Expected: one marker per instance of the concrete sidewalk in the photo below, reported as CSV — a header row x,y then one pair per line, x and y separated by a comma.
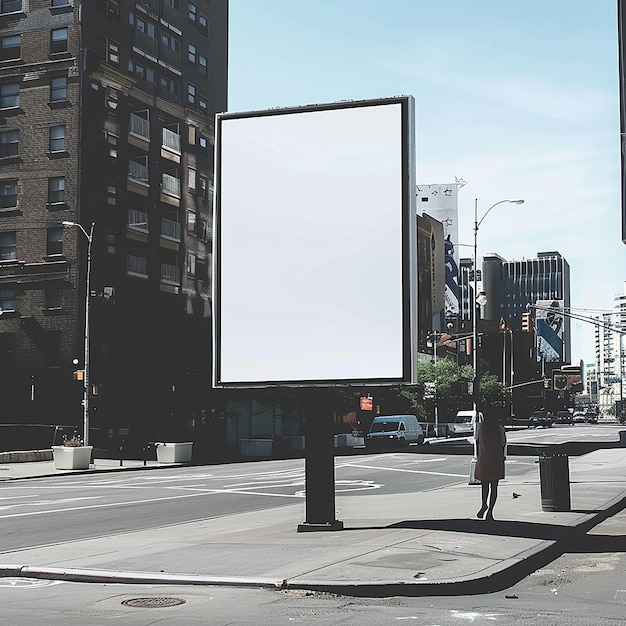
x,y
427,543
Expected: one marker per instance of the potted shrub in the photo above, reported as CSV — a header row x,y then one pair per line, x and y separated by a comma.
x,y
73,454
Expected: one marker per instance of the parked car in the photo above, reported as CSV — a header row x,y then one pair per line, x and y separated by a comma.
x,y
541,418
463,424
394,430
564,417
578,417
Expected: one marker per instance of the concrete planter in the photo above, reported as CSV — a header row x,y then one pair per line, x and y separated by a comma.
x,y
256,447
71,457
174,452
348,441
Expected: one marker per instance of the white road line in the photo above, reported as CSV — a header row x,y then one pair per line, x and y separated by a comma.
x,y
397,469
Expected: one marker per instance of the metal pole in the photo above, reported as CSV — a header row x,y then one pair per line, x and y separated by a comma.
x,y
89,237
475,311
87,363
435,340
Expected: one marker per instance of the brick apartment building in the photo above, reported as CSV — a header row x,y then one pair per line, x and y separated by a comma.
x,y
106,118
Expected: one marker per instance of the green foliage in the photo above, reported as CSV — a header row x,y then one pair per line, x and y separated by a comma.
x,y
447,385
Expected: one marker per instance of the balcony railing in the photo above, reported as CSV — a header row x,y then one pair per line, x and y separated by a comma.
x,y
170,185
167,94
138,220
138,173
139,127
170,229
170,14
170,274
145,43
169,56
136,265
171,140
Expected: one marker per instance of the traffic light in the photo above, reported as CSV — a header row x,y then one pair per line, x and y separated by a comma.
x,y
526,323
559,381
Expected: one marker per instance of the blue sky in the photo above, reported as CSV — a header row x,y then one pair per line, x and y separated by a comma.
x,y
518,99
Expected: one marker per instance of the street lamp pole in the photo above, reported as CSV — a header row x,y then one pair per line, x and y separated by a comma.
x,y
89,237
475,362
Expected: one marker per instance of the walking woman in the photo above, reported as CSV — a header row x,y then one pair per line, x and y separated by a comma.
x,y
490,446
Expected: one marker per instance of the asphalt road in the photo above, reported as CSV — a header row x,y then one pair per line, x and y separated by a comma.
x,y
34,512
584,586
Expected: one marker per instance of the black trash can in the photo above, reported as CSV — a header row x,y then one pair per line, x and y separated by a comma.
x,y
554,478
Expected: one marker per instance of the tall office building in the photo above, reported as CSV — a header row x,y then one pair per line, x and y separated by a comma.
x,y
543,282
610,362
441,202
106,118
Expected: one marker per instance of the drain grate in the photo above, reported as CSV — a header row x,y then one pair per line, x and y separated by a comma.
x,y
157,602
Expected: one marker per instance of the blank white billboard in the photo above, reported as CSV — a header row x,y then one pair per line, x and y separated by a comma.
x,y
314,258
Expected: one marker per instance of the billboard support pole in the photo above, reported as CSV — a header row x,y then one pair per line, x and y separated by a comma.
x,y
319,463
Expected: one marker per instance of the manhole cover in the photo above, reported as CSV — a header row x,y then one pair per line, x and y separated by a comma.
x,y
153,603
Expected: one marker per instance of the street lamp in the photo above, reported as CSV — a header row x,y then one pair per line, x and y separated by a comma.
x,y
478,301
89,237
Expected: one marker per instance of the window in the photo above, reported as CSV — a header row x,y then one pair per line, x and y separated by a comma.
x,y
59,3
204,187
9,95
191,93
203,25
140,71
58,88
191,222
203,103
57,138
170,42
10,47
54,298
7,246
9,143
191,54
203,142
113,52
10,6
112,141
56,189
55,240
58,40
113,10
169,89
201,229
146,27
191,264
110,243
192,135
192,12
203,65
7,299
191,178
8,194
111,194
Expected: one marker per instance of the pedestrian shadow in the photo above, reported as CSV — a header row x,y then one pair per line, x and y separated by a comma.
x,y
501,528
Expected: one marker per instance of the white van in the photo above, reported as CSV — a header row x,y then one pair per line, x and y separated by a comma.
x,y
464,423
394,430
